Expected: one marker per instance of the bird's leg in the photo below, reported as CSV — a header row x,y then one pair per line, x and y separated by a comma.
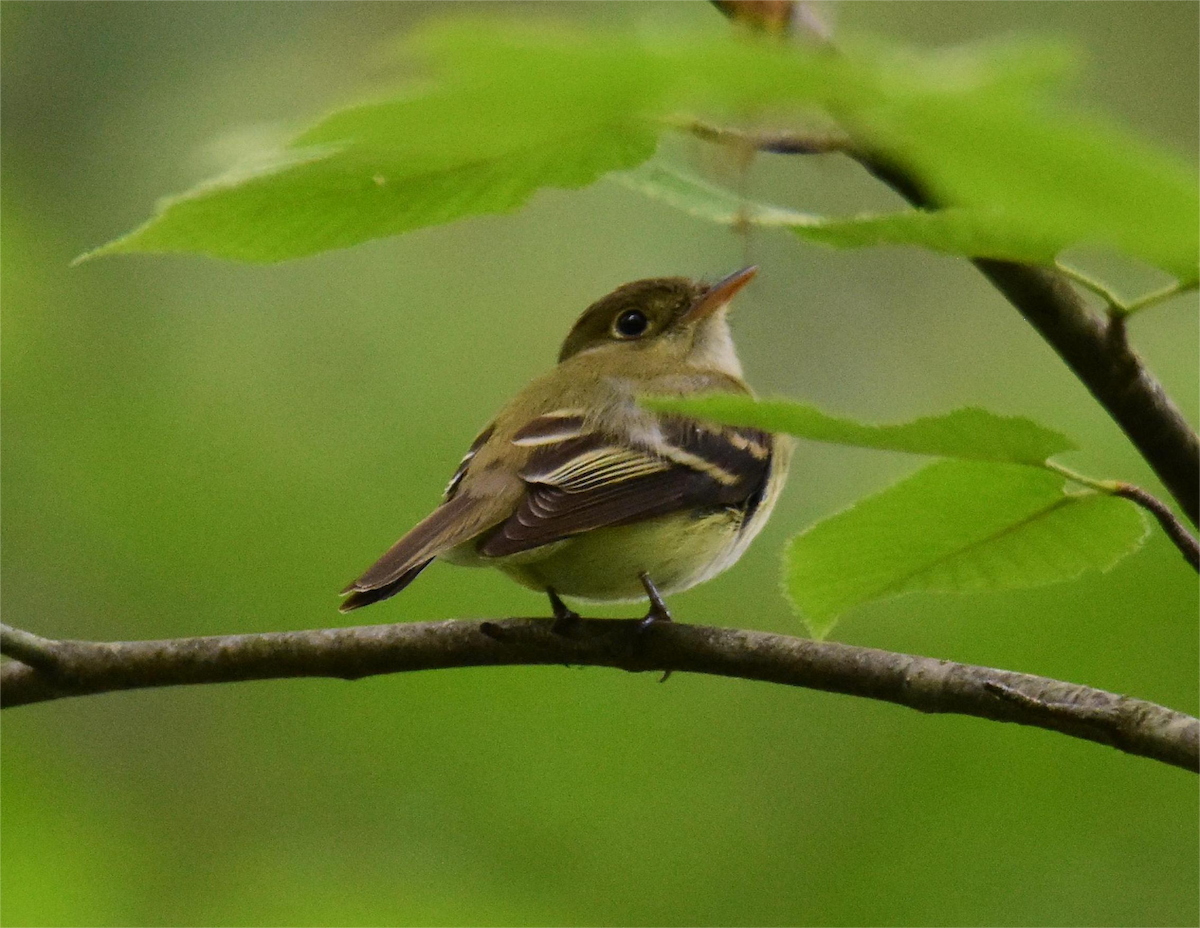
x,y
658,609
658,612
565,618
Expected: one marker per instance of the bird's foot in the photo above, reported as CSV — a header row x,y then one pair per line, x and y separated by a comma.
x,y
658,609
565,618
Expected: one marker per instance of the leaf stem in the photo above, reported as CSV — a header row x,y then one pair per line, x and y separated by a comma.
x,y
1088,282
1157,296
1117,306
779,143
1104,486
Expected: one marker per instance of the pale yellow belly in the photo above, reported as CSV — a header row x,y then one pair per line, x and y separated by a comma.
x,y
676,551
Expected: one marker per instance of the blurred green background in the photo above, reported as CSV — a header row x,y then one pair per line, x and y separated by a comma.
x,y
195,447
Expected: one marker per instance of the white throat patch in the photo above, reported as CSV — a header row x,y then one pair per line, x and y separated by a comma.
x,y
713,347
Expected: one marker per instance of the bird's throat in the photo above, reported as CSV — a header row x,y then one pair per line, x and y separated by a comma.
x,y
713,348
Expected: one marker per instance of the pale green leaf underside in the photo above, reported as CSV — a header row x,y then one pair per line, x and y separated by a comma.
x,y
970,434
956,526
703,200
973,232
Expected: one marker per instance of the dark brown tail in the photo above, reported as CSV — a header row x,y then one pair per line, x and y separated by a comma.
x,y
359,598
450,524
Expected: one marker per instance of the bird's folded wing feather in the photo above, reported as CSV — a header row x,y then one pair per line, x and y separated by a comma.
x,y
577,480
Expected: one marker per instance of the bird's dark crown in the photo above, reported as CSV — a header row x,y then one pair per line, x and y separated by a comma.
x,y
662,300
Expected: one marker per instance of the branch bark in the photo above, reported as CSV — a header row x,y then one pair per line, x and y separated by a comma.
x,y
1174,529
1132,725
1097,351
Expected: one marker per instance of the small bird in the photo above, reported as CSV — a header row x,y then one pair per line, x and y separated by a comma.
x,y
575,490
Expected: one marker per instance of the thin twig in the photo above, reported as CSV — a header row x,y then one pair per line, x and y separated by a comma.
x,y
1176,530
779,143
921,683
29,648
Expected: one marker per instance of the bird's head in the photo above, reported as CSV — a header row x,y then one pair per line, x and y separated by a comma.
x,y
668,320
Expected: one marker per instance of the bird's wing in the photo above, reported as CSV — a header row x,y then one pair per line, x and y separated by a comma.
x,y
463,465
461,516
577,480
574,480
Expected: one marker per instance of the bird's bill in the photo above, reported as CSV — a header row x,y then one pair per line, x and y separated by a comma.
x,y
720,293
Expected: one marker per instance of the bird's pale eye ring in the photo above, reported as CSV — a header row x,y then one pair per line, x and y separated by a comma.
x,y
632,323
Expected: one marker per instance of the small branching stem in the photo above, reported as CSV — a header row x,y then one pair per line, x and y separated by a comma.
x,y
778,143
1157,296
31,649
1175,530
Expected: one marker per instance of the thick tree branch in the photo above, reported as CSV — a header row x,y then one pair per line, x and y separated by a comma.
x,y
921,683
1095,347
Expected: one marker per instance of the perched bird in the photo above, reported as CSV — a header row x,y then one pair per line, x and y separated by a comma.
x,y
575,490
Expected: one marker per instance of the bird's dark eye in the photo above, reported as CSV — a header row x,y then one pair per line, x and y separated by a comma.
x,y
631,323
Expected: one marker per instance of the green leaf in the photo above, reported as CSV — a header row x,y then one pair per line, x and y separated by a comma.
x,y
517,108
956,526
970,433
1064,177
974,233
340,194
